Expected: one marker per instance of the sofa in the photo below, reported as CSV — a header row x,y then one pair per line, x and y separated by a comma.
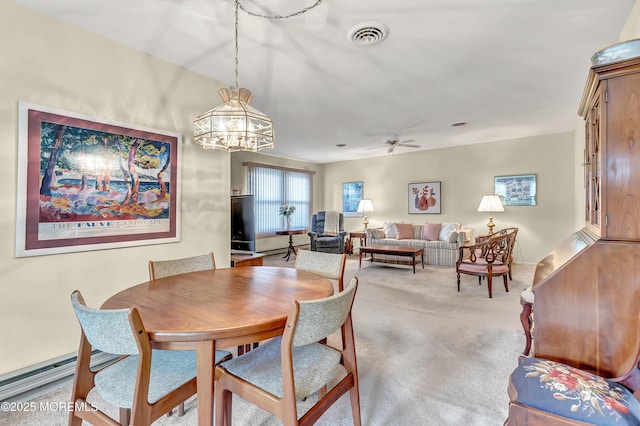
x,y
440,241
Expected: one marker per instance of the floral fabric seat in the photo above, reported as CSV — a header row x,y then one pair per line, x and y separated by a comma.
x,y
571,393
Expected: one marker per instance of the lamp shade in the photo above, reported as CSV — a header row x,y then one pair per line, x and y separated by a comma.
x,y
365,206
490,203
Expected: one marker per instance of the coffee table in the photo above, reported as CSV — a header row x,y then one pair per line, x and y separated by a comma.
x,y
412,252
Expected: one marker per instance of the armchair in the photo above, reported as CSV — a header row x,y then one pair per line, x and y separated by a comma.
x,y
487,258
321,241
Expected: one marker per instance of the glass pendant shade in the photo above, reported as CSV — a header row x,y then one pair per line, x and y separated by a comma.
x,y
234,125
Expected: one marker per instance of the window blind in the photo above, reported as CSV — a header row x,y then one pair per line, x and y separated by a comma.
x,y
273,187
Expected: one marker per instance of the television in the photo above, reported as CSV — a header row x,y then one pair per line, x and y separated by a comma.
x,y
242,223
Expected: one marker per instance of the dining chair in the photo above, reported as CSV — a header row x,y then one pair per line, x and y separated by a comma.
x,y
295,365
166,268
488,258
328,265
144,383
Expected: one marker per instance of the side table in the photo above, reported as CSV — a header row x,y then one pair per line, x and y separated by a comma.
x,y
362,235
247,258
290,232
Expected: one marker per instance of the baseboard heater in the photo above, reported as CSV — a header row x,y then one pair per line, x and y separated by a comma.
x,y
18,384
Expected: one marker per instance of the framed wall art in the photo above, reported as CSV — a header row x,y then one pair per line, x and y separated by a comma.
x,y
351,196
424,197
86,183
516,190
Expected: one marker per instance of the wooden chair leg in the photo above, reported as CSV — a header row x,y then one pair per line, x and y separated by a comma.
x,y
489,284
458,283
525,319
125,416
506,283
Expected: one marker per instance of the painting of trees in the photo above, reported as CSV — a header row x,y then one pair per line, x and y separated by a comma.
x,y
88,174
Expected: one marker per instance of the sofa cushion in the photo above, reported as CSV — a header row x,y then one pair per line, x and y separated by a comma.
x,y
404,231
446,230
431,231
389,230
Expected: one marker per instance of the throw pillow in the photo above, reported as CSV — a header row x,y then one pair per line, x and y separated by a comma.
x,y
446,230
390,230
377,234
431,231
404,231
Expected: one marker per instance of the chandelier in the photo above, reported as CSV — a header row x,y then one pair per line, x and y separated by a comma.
x,y
235,125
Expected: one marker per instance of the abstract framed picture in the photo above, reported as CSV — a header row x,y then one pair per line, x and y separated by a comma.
x,y
516,190
86,183
351,196
424,197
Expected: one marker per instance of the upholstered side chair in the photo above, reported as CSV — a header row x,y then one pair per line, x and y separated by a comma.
x,y
323,241
486,259
328,265
143,383
295,365
166,268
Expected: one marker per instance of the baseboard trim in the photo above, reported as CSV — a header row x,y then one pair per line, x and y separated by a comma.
x,y
26,383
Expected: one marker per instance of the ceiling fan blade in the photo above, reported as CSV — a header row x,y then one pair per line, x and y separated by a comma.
x,y
375,147
391,148
410,146
407,141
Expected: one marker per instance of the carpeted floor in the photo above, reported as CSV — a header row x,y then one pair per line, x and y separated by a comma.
x,y
427,355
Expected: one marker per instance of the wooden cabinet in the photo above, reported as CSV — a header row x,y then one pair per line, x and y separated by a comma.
x,y
587,290
611,109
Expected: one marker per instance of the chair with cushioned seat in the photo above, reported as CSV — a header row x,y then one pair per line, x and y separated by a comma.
x,y
544,392
296,365
323,241
166,268
328,265
144,383
488,258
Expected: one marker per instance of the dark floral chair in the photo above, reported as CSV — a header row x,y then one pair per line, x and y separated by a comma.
x,y
544,392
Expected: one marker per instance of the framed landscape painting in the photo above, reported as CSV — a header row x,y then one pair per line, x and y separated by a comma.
x,y
351,196
516,190
424,197
88,184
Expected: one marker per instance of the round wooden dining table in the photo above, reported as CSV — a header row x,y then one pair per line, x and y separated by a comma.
x,y
220,308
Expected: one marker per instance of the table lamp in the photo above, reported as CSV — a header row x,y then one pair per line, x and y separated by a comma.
x,y
490,204
365,206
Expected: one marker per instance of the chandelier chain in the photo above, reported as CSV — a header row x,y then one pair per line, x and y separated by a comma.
x,y
300,12
236,64
241,6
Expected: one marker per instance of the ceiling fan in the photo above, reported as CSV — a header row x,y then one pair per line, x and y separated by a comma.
x,y
393,141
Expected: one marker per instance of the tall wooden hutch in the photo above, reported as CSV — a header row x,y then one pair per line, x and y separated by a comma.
x,y
587,290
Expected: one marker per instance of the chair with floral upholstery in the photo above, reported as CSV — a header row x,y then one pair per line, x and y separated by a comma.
x,y
544,392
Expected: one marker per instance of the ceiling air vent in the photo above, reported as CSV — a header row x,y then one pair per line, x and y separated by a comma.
x,y
368,33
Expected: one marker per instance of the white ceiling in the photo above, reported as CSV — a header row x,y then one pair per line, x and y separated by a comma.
x,y
508,68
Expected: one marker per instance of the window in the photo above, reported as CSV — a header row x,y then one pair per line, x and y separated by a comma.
x,y
273,187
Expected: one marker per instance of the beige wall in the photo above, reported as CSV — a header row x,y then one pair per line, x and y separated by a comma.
x,y
238,179
49,63
466,173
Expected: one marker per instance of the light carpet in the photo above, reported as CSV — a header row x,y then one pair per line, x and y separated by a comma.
x,y
427,355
